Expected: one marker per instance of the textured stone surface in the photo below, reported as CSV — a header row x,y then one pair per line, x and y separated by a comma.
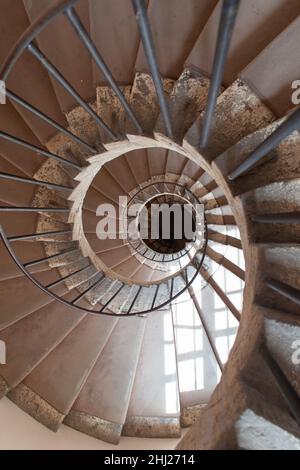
x,y
267,297
256,433
190,414
36,407
111,111
94,426
83,125
53,172
187,101
276,198
285,350
81,277
47,224
68,149
152,427
45,197
239,112
61,260
4,388
282,164
282,263
53,247
143,101
103,291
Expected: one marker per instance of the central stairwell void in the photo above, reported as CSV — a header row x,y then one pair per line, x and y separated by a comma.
x,y
114,104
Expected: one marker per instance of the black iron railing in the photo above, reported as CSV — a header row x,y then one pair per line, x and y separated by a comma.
x,y
25,268
27,43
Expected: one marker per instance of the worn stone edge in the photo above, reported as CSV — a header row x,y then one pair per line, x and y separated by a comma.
x,y
158,427
102,429
4,387
36,406
189,414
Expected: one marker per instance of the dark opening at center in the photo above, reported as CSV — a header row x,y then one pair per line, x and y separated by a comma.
x,y
168,217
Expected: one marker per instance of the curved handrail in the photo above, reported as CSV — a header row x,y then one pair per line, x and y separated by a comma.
x,y
82,309
24,42
30,34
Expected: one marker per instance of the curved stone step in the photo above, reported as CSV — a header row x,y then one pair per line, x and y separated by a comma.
x,y
145,299
280,263
108,184
25,252
120,169
118,46
103,291
31,339
239,112
139,163
36,88
275,199
149,414
143,96
181,36
252,27
156,161
131,269
282,164
13,124
101,407
275,61
54,42
49,391
110,109
20,297
187,101
279,324
83,125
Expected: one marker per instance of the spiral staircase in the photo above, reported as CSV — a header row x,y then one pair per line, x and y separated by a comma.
x,y
154,101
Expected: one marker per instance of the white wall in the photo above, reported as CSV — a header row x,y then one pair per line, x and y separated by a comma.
x,y
20,431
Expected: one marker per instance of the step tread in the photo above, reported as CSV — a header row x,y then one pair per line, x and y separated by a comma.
x,y
58,379
106,393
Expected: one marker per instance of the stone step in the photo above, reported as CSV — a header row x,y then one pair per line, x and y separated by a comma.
x,y
101,407
49,391
149,414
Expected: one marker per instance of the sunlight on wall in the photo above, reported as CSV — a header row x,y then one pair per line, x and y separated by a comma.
x,y
170,372
198,369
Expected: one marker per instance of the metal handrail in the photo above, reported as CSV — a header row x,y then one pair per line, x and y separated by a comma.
x,y
31,33
71,304
148,44
25,42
